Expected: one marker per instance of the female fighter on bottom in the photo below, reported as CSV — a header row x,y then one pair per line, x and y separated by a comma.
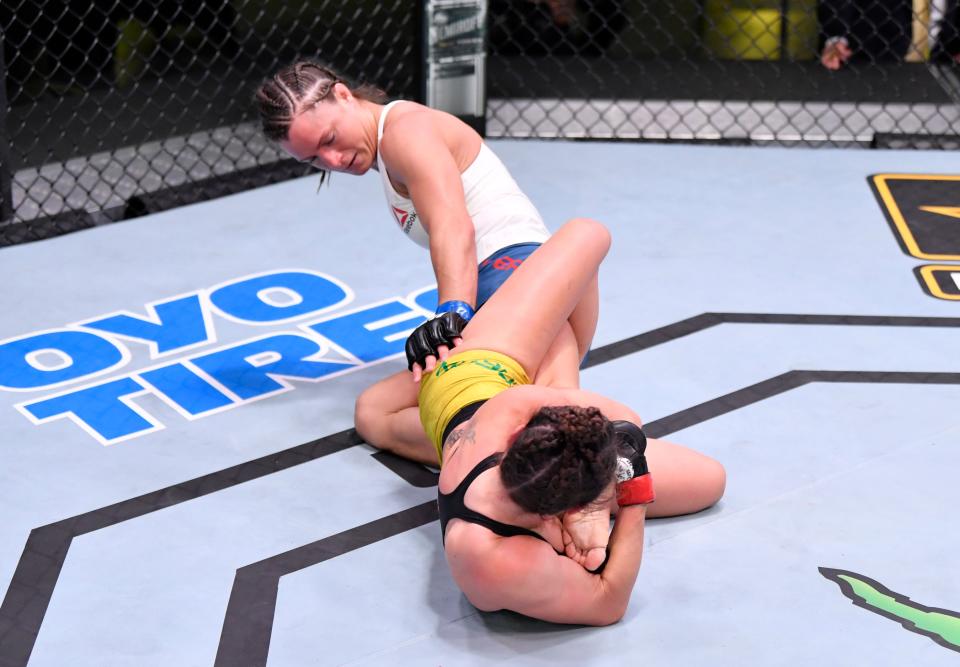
x,y
521,462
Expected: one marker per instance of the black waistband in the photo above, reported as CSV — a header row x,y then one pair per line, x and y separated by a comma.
x,y
465,413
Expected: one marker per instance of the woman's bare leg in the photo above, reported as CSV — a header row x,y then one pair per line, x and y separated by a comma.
x,y
523,318
560,367
583,319
684,480
386,414
387,417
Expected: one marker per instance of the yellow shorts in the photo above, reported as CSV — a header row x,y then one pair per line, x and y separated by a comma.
x,y
464,378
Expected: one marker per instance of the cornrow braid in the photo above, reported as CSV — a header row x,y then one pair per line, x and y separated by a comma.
x,y
276,107
564,458
296,88
288,93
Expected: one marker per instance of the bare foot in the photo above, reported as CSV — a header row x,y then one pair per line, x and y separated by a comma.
x,y
585,535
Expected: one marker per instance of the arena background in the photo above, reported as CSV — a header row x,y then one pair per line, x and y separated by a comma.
x,y
114,110
781,295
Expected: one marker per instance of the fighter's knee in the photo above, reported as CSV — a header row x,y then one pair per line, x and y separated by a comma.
x,y
706,485
365,415
594,230
716,481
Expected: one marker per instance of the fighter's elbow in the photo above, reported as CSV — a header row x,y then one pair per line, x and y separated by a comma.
x,y
608,612
613,615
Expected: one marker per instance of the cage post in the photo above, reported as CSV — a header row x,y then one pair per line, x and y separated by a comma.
x,y
454,59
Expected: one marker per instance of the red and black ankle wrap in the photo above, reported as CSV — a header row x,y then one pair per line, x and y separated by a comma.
x,y
636,491
634,484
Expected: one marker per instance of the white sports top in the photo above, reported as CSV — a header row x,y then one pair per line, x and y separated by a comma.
x,y
502,215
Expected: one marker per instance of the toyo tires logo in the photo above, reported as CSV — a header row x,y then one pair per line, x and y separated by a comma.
x,y
81,368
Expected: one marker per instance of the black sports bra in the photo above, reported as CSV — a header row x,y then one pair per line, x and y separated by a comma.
x,y
451,505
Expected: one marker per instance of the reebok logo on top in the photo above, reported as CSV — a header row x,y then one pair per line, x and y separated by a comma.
x,y
405,219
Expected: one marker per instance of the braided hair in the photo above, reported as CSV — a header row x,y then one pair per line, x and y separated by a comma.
x,y
564,458
297,88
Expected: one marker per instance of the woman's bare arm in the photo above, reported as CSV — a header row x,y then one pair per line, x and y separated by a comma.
x,y
585,532
417,155
523,576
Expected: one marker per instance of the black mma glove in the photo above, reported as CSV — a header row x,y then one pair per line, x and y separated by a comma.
x,y
426,338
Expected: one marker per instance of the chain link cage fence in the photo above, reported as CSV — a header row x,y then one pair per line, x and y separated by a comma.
x,y
115,109
118,108
798,72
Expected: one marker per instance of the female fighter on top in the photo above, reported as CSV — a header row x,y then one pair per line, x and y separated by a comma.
x,y
448,192
466,204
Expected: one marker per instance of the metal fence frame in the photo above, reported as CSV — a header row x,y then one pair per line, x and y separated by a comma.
x,y
582,85
58,190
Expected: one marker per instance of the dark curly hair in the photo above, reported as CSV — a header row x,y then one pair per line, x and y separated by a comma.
x,y
563,458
